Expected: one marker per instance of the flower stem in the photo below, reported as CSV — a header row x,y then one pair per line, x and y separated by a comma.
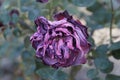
x,y
111,23
19,4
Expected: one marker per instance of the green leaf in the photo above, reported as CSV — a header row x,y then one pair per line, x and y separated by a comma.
x,y
83,3
115,46
91,40
92,73
103,64
52,74
112,77
116,54
28,61
94,7
117,15
101,51
16,32
115,50
39,64
101,16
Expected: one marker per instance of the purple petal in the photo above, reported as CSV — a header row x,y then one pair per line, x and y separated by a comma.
x,y
62,15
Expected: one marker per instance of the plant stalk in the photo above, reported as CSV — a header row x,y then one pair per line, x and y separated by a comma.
x,y
112,19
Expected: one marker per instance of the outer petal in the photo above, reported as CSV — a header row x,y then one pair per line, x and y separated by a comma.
x,y
42,24
62,15
36,39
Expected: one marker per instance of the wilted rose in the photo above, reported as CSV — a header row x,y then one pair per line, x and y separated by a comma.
x,y
60,43
42,1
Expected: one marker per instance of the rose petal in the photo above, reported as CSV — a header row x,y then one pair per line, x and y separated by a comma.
x,y
61,15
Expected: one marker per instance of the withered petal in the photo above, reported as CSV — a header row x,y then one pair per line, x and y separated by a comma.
x,y
60,43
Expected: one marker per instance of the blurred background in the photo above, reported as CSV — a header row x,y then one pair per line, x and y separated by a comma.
x,y
17,57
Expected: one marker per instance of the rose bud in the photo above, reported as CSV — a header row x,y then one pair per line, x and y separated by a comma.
x,y
62,42
14,11
42,1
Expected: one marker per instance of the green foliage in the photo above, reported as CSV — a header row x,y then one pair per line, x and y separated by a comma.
x,y
92,73
100,17
52,74
115,46
17,32
101,51
115,50
116,54
28,61
112,77
103,64
39,64
83,3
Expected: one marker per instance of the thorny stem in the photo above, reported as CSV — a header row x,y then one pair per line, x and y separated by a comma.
x,y
111,23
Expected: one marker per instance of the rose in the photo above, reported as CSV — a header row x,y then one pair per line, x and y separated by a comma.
x,y
60,43
42,1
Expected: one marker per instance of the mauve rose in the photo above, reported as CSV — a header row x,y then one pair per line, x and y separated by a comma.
x,y
42,1
60,43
